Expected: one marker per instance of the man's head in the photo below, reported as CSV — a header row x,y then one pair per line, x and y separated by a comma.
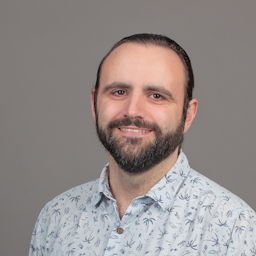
x,y
157,40
141,99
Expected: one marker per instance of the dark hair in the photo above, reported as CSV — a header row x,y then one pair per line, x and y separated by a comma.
x,y
158,40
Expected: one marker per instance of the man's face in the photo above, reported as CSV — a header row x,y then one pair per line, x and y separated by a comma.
x,y
139,105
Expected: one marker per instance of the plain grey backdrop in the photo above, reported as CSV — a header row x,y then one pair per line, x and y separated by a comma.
x,y
49,54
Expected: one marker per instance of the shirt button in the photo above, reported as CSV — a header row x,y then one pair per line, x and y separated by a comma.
x,y
120,231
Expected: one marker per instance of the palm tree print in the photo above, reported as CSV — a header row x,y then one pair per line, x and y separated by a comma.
x,y
109,248
66,210
208,207
253,251
227,243
97,243
71,252
229,214
239,229
148,221
56,213
191,244
215,240
158,200
33,248
139,247
75,199
104,217
224,224
51,234
242,216
159,249
129,244
200,218
184,197
169,179
190,222
195,180
162,233
182,243
88,239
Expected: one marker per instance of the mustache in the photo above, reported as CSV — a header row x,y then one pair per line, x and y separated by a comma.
x,y
133,121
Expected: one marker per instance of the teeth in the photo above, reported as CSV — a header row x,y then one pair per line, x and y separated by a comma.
x,y
132,130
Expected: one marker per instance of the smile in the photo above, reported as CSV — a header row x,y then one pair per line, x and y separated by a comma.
x,y
133,130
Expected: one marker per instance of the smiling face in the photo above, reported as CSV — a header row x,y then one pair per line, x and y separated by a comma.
x,y
140,104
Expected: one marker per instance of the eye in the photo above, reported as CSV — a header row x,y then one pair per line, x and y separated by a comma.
x,y
119,93
156,96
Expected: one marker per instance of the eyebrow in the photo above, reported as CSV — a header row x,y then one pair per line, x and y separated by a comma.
x,y
159,89
116,85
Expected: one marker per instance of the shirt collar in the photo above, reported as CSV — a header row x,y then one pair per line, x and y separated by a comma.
x,y
163,192
103,187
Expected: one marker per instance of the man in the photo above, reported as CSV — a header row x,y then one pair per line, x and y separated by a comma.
x,y
147,199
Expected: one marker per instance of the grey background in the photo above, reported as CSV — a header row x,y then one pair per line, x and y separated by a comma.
x,y
49,55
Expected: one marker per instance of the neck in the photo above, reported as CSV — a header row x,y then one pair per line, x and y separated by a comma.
x,y
126,186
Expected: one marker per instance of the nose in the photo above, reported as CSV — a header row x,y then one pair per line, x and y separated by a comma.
x,y
135,107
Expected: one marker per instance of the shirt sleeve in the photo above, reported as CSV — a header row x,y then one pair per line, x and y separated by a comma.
x,y
243,236
38,240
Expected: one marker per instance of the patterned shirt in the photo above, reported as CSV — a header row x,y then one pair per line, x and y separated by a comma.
x,y
185,213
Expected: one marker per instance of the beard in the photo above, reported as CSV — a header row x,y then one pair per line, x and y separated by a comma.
x,y
129,154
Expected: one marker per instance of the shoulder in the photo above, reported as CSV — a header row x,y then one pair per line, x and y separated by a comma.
x,y
218,213
74,199
81,191
209,191
62,214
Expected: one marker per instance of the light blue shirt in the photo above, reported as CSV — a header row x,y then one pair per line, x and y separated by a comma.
x,y
185,213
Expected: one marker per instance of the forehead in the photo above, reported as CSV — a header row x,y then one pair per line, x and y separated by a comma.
x,y
140,64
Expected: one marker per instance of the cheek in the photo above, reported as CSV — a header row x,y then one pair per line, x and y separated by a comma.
x,y
166,119
161,117
107,112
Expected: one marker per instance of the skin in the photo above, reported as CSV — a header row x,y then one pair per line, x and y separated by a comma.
x,y
147,82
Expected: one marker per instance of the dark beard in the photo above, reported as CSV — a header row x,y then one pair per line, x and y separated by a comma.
x,y
135,160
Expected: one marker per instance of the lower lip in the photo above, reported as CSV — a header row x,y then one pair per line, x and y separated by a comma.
x,y
139,134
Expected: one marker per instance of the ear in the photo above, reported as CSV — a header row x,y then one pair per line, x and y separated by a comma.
x,y
191,113
92,105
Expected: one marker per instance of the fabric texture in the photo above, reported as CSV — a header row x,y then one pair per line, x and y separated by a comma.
x,y
185,213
